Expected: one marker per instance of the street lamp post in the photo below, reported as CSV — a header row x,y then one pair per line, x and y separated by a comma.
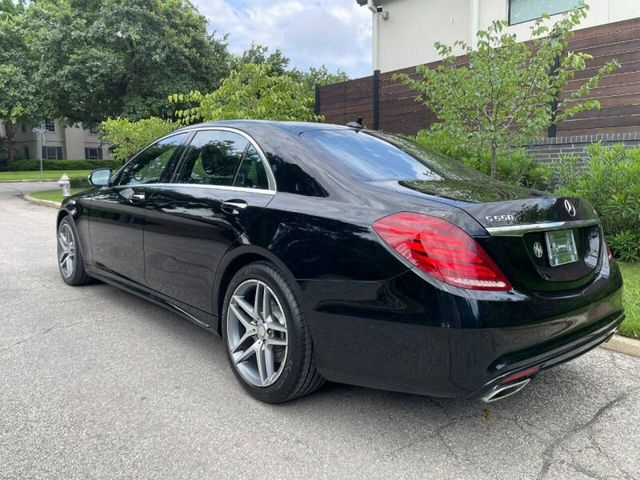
x,y
40,132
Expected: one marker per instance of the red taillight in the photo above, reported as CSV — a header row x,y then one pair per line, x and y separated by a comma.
x,y
609,254
442,250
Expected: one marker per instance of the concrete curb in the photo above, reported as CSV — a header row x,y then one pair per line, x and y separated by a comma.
x,y
620,344
37,201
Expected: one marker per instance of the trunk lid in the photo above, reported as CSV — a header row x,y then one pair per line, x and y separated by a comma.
x,y
543,243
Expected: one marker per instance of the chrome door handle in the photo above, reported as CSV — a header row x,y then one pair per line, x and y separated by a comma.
x,y
233,206
137,197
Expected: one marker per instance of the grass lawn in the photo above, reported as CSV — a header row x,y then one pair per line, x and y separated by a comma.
x,y
631,274
46,175
54,195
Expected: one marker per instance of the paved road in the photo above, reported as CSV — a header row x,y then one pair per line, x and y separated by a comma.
x,y
95,383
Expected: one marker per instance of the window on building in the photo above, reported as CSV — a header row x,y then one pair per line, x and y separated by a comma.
x,y
52,153
92,153
23,127
526,10
49,125
26,153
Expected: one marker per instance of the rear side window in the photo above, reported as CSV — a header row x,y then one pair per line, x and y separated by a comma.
x,y
213,158
252,173
375,156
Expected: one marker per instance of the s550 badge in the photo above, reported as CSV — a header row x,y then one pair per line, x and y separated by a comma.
x,y
499,218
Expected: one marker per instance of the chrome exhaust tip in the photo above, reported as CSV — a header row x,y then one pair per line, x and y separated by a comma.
x,y
503,391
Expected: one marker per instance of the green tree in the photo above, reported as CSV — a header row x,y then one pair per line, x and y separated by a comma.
x,y
107,58
503,95
130,137
251,92
18,101
260,55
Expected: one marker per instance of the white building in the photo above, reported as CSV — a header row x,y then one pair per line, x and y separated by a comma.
x,y
57,142
404,31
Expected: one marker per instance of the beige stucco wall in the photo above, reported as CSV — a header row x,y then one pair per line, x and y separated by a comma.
x,y
407,37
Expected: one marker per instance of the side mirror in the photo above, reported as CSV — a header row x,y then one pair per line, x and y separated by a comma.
x,y
100,177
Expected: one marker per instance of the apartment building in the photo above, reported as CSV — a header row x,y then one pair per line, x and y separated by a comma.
x,y
51,140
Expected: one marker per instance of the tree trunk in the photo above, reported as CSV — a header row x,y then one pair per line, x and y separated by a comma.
x,y
494,160
10,131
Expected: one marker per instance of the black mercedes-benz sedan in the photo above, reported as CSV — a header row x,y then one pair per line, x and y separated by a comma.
x,y
328,252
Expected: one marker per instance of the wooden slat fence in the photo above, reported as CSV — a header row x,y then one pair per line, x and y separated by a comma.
x,y
397,111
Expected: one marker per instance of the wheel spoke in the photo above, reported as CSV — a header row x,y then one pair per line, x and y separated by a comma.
x,y
269,362
240,315
246,355
244,305
261,362
276,342
247,334
266,303
276,326
257,301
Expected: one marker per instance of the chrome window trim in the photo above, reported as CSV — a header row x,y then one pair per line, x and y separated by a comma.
x,y
519,230
198,185
271,179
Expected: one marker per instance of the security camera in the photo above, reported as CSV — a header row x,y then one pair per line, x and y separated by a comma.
x,y
379,9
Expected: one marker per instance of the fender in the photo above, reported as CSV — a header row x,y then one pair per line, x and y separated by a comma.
x,y
251,253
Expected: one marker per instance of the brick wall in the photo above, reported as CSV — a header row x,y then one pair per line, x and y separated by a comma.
x,y
546,150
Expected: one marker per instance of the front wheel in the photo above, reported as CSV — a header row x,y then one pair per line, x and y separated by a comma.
x,y
70,260
268,342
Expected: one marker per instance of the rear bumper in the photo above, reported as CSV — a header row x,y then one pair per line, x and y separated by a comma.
x,y
404,336
562,353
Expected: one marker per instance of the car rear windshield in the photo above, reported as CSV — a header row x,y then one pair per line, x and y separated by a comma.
x,y
377,156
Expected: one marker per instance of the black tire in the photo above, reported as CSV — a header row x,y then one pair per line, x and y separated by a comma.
x,y
76,275
298,376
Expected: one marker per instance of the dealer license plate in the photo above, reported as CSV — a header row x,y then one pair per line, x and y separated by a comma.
x,y
561,247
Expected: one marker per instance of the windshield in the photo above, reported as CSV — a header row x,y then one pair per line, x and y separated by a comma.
x,y
378,156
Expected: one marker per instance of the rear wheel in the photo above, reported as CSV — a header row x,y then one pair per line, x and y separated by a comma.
x,y
70,260
268,342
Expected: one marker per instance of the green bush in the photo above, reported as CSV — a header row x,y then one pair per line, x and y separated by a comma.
x,y
611,183
516,168
32,165
79,182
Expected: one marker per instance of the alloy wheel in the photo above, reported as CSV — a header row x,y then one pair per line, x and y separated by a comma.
x,y
257,333
66,250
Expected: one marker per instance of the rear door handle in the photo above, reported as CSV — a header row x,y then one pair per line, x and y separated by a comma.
x,y
234,206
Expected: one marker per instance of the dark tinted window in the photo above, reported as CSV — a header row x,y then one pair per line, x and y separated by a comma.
x,y
251,173
375,156
213,158
152,165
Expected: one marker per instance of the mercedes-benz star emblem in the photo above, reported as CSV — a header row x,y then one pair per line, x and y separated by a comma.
x,y
571,210
537,249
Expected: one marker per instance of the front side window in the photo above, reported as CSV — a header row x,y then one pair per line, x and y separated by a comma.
x,y
213,158
526,10
152,165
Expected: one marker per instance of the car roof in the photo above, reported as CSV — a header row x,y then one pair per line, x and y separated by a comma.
x,y
294,128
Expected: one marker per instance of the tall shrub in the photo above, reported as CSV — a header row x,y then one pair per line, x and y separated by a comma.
x,y
503,95
611,183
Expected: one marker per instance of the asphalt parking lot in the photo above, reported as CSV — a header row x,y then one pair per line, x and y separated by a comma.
x,y
95,383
